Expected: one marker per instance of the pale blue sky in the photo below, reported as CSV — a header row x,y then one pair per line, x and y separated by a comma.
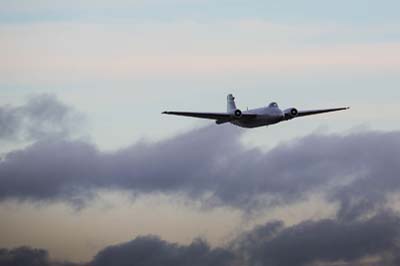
x,y
304,11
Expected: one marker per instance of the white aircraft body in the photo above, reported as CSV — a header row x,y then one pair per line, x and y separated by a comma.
x,y
259,117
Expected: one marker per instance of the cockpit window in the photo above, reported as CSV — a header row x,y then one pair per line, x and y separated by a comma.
x,y
274,105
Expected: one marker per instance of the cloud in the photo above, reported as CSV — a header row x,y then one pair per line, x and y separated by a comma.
x,y
323,241
212,166
150,250
41,117
28,256
24,256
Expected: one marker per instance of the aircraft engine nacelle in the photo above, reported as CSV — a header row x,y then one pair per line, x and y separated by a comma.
x,y
291,113
237,113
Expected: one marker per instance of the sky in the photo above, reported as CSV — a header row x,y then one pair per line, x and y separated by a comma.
x,y
92,173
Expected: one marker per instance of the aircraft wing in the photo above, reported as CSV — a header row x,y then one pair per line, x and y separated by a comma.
x,y
219,117
321,111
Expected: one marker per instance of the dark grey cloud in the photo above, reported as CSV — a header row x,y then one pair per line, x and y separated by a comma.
x,y
42,116
150,250
27,256
58,169
23,256
323,241
358,170
345,243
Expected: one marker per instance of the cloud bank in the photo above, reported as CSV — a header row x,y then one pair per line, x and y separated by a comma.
x,y
212,166
366,242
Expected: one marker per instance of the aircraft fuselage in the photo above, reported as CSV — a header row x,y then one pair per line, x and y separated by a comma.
x,y
265,116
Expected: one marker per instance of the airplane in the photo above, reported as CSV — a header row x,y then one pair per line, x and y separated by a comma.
x,y
259,117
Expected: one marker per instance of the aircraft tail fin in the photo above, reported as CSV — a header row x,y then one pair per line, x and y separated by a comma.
x,y
231,106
